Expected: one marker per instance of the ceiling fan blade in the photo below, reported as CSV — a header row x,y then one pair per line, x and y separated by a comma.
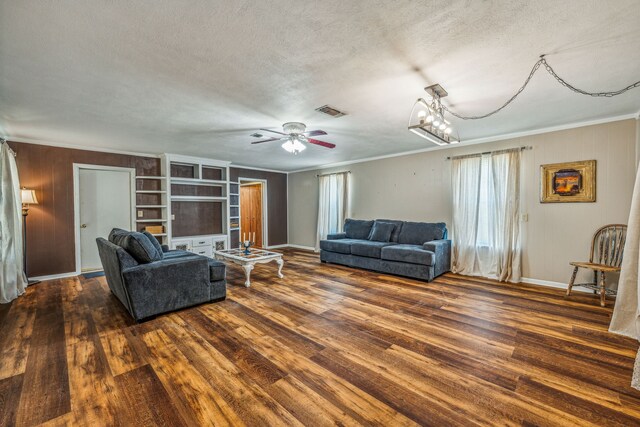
x,y
314,133
321,143
267,140
274,131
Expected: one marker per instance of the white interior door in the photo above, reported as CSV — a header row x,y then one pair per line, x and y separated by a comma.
x,y
104,203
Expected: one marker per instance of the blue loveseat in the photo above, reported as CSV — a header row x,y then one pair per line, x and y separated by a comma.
x,y
414,249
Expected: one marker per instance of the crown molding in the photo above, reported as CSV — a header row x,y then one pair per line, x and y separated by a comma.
x,y
79,147
478,141
233,165
635,116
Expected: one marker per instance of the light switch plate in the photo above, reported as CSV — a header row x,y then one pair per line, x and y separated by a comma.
x,y
140,214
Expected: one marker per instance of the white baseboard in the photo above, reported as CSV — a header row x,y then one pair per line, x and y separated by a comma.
x,y
551,284
55,276
306,248
277,246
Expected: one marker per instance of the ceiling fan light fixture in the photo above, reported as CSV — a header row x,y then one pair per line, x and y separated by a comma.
x,y
294,146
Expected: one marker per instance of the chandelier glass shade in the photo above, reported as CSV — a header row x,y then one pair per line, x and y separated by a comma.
x,y
293,145
427,121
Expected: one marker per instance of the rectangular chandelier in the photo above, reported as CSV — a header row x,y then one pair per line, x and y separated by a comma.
x,y
427,122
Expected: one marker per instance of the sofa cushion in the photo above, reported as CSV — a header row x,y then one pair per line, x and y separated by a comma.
x,y
154,242
342,246
368,248
140,248
216,270
417,233
381,231
396,231
357,228
412,254
176,253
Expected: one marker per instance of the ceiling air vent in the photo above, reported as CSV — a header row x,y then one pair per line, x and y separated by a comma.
x,y
333,112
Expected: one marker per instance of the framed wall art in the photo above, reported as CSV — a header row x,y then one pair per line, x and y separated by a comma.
x,y
573,182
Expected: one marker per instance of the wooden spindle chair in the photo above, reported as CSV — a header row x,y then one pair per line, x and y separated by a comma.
x,y
607,247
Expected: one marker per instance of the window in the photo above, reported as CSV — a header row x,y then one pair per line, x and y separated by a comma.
x,y
486,215
332,204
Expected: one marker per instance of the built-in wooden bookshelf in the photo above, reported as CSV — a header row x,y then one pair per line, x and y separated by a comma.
x,y
151,204
198,203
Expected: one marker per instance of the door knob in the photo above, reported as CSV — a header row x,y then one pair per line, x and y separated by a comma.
x,y
83,226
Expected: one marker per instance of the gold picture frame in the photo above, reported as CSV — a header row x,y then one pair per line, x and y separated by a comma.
x,y
572,182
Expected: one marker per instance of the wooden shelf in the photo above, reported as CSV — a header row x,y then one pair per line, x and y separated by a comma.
x,y
198,199
196,181
150,191
150,177
159,234
151,206
151,220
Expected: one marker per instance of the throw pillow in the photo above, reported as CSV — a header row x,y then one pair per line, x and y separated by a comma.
x,y
155,243
140,248
117,236
357,228
381,231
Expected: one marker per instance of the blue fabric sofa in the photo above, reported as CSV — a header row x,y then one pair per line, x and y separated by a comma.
x,y
149,279
414,249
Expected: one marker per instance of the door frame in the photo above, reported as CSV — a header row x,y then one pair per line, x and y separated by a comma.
x,y
76,202
265,218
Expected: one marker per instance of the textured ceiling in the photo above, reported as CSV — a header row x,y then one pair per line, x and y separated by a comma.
x,y
198,77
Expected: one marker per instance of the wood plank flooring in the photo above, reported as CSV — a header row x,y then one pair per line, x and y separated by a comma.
x,y
326,345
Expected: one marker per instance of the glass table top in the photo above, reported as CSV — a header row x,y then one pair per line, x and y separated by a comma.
x,y
253,253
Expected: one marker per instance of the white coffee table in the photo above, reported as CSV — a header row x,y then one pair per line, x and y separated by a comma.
x,y
256,256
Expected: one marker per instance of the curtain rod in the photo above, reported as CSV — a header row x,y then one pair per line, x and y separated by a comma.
x,y
332,173
524,147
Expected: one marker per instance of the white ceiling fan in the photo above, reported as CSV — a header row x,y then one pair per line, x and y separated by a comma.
x,y
295,135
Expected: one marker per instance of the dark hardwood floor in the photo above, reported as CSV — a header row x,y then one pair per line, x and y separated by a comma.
x,y
326,345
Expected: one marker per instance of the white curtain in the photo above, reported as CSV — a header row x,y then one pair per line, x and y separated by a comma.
x,y
333,204
486,215
466,200
12,279
626,313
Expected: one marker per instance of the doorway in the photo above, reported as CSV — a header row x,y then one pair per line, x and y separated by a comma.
x,y
253,210
104,199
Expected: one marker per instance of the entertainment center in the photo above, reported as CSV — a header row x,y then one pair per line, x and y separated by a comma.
x,y
192,206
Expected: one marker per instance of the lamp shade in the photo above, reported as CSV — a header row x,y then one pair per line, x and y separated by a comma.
x,y
29,197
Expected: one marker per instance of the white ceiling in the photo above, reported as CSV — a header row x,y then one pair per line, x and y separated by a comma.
x,y
198,77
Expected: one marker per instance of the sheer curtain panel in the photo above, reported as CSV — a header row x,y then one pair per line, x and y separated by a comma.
x,y
12,279
333,204
486,215
626,313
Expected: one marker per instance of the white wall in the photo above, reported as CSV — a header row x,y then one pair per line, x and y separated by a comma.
x,y
418,187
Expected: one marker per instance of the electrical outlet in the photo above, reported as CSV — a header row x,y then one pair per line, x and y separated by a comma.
x,y
140,214
173,217
525,217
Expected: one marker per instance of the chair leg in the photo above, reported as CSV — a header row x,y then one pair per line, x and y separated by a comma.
x,y
603,287
595,281
573,279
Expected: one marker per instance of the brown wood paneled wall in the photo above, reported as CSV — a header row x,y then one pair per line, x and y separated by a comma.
x,y
196,218
276,201
49,171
